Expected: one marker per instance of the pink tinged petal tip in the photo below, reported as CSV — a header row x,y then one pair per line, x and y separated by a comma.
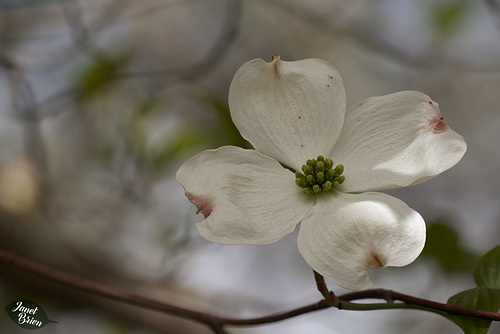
x,y
437,125
203,203
276,67
376,261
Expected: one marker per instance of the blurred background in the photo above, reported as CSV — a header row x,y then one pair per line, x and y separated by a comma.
x,y
102,100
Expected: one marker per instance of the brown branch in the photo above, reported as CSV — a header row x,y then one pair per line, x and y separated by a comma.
x,y
424,303
104,290
217,324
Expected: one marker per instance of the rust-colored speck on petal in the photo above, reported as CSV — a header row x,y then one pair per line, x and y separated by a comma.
x,y
203,203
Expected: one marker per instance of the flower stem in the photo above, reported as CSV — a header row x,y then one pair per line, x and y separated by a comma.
x,y
323,289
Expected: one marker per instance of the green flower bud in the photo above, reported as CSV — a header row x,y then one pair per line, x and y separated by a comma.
x,y
330,174
308,191
320,166
328,164
339,169
311,163
301,182
319,175
307,170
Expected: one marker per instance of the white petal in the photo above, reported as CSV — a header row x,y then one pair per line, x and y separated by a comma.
x,y
394,141
347,234
291,111
245,196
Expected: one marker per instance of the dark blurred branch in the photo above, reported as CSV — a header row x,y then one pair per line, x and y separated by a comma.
x,y
229,32
217,324
367,37
79,33
494,6
79,283
25,107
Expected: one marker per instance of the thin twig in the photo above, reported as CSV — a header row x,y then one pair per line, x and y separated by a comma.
x,y
100,289
217,324
423,303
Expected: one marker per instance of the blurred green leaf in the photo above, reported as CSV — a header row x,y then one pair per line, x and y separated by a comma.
x,y
116,327
147,107
137,126
199,136
487,272
447,16
444,245
480,299
98,75
136,129
229,134
190,139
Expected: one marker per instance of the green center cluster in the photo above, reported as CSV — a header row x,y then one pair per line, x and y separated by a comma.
x,y
319,175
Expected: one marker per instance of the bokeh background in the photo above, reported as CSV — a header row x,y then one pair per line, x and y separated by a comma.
x,y
102,100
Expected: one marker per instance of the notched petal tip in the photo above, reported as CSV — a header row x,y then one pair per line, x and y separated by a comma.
x,y
288,110
203,203
276,65
437,125
376,261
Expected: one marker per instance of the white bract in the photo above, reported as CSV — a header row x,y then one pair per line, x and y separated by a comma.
x,y
292,112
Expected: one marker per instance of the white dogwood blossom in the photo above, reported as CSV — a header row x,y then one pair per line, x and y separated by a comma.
x,y
294,114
